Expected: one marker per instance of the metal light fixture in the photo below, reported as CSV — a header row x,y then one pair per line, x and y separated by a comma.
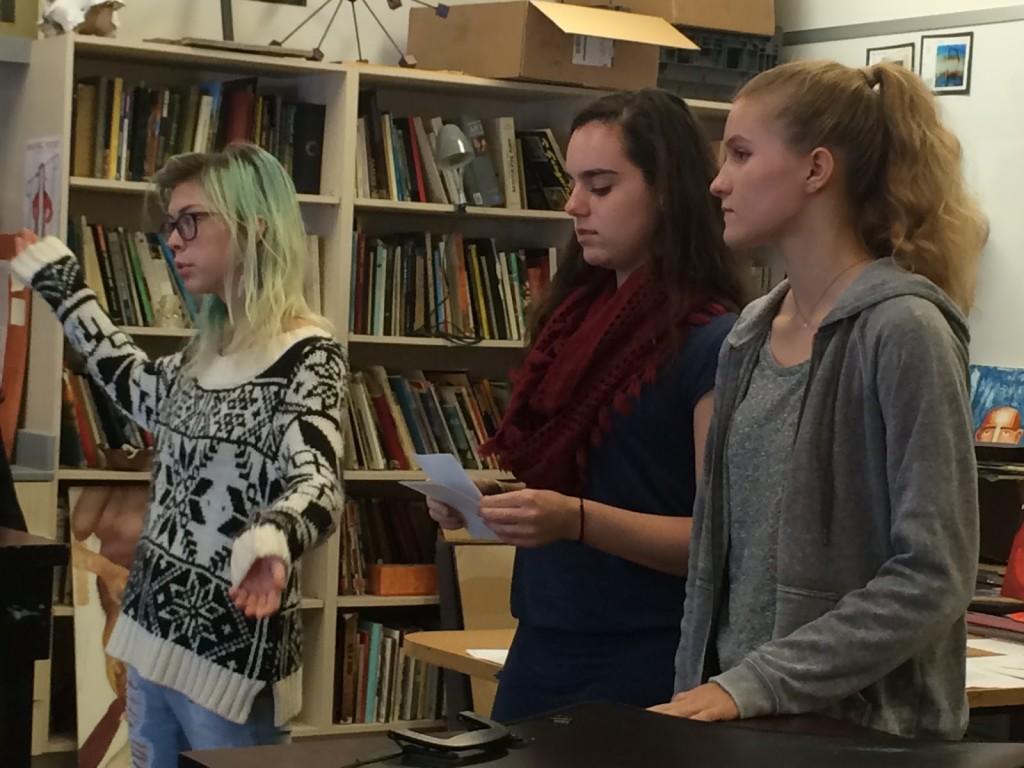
x,y
454,153
404,59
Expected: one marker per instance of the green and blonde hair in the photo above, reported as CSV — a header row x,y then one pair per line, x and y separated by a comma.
x,y
251,192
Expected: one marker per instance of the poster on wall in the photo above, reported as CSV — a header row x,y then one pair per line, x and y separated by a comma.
x,y
42,203
105,523
997,402
946,62
902,54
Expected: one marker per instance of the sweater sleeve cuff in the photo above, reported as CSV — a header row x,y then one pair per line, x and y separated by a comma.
x,y
47,251
746,687
260,541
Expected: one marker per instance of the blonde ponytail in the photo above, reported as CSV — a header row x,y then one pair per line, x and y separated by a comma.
x,y
902,166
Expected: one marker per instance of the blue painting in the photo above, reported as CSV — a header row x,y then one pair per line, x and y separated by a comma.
x,y
997,402
950,65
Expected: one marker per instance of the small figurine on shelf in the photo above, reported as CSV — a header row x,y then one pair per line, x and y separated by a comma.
x,y
86,17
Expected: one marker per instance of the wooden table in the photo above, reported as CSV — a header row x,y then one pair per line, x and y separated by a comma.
x,y
992,698
449,650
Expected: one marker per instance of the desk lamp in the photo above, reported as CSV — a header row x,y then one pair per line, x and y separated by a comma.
x,y
454,153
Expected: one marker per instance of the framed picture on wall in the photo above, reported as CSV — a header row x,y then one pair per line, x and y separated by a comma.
x,y
902,54
946,62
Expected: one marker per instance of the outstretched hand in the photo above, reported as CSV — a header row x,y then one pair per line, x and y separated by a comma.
x,y
259,593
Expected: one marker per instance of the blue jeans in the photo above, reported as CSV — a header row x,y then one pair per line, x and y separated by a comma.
x,y
162,723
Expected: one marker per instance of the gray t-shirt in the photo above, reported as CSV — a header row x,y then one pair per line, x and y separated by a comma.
x,y
757,456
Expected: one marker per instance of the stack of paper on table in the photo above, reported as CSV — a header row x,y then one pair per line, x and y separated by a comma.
x,y
1001,667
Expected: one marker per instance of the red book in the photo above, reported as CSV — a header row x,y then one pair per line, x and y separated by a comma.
x,y
388,430
417,162
85,440
15,337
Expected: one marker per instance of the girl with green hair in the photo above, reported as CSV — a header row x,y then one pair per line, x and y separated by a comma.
x,y
247,423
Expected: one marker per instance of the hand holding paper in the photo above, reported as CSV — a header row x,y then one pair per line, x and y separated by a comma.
x,y
448,483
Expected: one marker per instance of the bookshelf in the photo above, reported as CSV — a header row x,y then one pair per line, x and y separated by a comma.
x,y
41,95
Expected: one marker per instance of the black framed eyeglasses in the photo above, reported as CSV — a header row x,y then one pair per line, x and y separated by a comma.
x,y
186,224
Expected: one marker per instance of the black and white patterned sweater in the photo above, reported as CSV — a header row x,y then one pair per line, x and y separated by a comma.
x,y
247,464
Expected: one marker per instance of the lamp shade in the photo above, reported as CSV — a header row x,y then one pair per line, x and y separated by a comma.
x,y
453,148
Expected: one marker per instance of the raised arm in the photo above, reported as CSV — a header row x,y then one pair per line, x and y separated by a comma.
x,y
133,381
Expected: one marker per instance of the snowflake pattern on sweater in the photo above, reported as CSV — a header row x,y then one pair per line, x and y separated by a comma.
x,y
242,469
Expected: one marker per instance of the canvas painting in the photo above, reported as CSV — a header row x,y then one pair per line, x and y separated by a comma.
x,y
105,522
946,62
997,402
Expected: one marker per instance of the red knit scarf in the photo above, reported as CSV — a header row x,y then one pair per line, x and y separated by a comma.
x,y
595,352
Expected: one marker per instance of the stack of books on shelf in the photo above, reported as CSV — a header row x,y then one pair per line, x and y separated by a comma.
x,y
393,416
397,159
133,275
126,131
375,681
423,284
136,282
62,573
382,531
94,433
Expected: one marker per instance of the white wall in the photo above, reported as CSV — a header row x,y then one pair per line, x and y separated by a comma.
x,y
813,14
988,123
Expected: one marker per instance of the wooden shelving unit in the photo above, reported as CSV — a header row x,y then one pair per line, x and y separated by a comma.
x,y
39,96
376,601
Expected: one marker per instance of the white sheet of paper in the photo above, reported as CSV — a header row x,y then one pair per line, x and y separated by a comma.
x,y
993,672
454,493
444,469
1003,647
494,655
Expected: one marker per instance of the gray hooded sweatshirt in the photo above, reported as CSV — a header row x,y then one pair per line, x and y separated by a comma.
x,y
878,528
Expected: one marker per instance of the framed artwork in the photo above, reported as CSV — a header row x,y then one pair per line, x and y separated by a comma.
x,y
997,401
18,17
946,62
902,54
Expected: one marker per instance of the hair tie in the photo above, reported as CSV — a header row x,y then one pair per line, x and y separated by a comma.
x,y
871,77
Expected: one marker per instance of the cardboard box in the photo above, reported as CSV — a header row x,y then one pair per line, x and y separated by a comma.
x,y
544,41
752,17
402,580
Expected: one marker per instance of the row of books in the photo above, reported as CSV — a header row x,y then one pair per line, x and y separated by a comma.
x,y
91,426
394,416
135,280
132,274
390,531
62,594
375,681
127,131
423,284
397,159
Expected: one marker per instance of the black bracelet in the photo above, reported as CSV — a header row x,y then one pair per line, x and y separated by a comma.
x,y
582,517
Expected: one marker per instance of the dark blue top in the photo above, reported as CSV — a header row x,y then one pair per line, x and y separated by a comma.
x,y
645,464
